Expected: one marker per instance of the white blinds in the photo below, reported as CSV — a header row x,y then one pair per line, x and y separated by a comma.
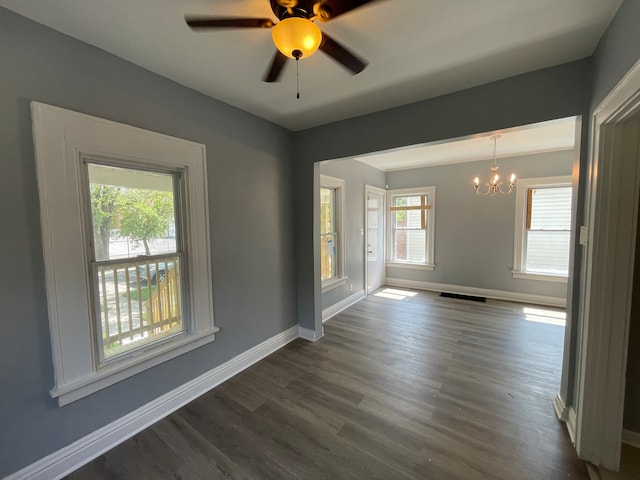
x,y
548,230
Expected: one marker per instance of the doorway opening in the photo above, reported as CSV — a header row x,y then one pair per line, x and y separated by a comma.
x,y
608,290
454,245
375,269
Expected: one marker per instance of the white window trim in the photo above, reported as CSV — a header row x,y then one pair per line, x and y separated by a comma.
x,y
62,139
429,264
519,237
339,184
546,277
411,265
328,285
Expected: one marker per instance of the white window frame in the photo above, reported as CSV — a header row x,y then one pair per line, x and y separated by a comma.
x,y
520,237
429,263
337,184
63,139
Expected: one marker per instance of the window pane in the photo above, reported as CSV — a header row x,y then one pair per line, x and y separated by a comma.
x,y
410,234
414,218
548,235
327,210
328,257
407,201
138,302
410,245
551,208
138,299
372,247
399,201
400,218
548,252
132,212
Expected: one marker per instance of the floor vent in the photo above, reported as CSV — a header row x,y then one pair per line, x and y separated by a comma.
x,y
463,297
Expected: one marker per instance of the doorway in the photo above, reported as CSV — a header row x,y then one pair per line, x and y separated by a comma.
x,y
374,238
614,187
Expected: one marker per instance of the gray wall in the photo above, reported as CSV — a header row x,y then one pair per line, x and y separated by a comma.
x,y
252,230
616,53
356,175
474,235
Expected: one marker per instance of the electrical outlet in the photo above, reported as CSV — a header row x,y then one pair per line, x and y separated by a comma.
x,y
351,287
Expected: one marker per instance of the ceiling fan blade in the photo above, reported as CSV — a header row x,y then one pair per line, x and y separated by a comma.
x,y
341,55
277,64
329,9
217,22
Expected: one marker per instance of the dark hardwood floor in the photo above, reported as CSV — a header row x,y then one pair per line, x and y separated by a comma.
x,y
418,387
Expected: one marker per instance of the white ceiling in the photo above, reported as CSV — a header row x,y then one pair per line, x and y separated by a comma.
x,y
416,49
549,136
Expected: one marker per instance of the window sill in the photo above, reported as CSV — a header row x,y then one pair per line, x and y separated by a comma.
x,y
331,284
544,277
412,266
117,371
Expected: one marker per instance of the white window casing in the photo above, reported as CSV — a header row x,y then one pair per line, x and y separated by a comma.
x,y
549,233
63,140
427,251
338,186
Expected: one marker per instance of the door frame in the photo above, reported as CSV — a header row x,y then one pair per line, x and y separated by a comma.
x,y
383,192
613,187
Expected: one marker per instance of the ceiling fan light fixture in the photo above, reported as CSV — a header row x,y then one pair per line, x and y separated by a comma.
x,y
294,35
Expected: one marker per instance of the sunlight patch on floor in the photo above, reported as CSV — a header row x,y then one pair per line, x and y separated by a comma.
x,y
395,294
541,315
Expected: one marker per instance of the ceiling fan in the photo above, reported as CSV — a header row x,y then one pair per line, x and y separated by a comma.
x,y
295,35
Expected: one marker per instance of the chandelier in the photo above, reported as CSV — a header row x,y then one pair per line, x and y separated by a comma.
x,y
494,185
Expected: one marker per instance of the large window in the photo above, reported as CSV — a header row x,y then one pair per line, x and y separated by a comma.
x,y
543,228
411,227
331,232
136,257
126,247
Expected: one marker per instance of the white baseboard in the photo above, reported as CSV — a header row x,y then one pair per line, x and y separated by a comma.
x,y
80,452
480,292
561,409
336,308
566,415
592,470
310,335
631,438
572,421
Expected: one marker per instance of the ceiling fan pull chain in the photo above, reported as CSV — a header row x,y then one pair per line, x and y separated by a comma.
x,y
297,80
297,54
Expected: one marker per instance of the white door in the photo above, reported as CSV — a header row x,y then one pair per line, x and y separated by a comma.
x,y
374,239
